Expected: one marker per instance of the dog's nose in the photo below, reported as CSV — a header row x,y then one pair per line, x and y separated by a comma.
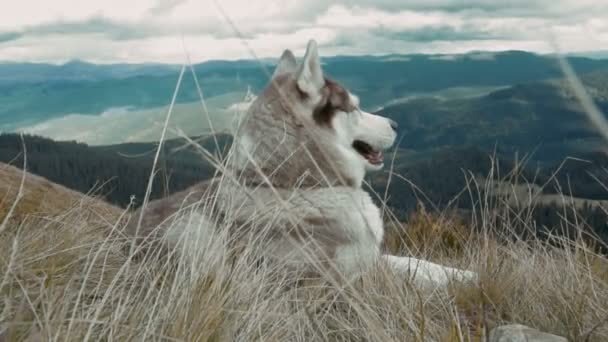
x,y
394,124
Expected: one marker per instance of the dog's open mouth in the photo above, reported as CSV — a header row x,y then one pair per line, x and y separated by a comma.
x,y
372,155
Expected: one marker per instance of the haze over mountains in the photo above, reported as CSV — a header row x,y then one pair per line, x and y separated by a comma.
x,y
77,70
128,124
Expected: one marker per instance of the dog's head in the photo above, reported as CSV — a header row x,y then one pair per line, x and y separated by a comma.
x,y
305,124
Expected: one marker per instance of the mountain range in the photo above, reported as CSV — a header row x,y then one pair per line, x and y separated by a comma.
x,y
77,70
31,94
540,118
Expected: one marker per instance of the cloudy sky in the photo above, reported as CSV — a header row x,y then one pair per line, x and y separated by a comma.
x,y
106,31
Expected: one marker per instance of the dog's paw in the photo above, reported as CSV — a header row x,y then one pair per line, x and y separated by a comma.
x,y
427,273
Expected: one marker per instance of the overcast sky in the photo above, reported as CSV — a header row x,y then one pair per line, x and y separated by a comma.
x,y
151,30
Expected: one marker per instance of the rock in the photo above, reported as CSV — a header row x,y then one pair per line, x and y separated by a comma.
x,y
522,333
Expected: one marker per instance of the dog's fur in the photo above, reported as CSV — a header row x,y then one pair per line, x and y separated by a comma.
x,y
294,176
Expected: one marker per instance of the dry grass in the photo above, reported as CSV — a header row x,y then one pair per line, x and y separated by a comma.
x,y
66,276
43,198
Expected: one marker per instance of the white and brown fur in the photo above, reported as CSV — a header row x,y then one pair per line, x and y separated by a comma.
x,y
294,174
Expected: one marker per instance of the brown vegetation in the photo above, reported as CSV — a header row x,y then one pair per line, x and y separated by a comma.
x,y
66,277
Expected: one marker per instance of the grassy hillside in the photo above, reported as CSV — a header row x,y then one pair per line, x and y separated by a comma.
x,y
63,276
38,197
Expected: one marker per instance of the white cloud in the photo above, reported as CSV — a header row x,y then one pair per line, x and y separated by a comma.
x,y
152,30
24,13
365,18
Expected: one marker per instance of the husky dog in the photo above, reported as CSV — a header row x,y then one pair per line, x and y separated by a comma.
x,y
294,175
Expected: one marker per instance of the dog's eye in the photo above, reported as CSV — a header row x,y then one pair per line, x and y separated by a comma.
x,y
324,113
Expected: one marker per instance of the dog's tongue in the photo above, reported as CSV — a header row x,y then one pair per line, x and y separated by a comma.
x,y
375,157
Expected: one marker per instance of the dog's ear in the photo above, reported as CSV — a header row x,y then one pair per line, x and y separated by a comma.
x,y
310,75
287,64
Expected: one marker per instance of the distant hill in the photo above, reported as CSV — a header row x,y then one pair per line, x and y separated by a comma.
x,y
543,118
115,172
123,170
77,70
89,89
119,171
602,54
436,177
